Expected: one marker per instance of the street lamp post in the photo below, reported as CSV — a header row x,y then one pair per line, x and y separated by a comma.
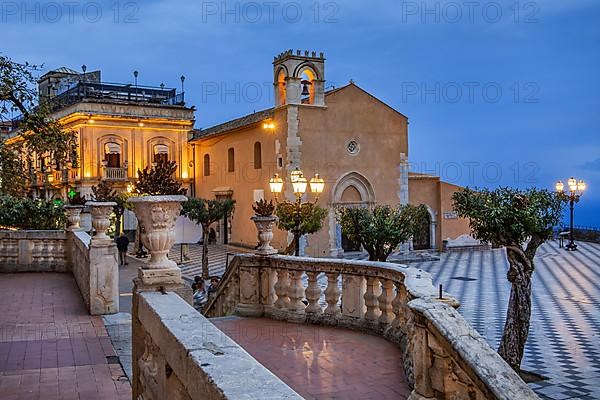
x,y
576,189
299,185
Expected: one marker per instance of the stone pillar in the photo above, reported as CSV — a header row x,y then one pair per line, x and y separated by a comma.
x,y
104,264
150,280
403,169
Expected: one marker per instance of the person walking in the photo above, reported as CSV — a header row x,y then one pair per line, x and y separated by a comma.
x,y
122,246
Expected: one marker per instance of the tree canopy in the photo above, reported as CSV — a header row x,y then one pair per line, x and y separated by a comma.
x,y
41,134
311,220
510,217
380,229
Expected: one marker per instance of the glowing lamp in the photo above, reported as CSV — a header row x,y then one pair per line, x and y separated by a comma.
x,y
300,185
317,185
560,186
572,184
581,186
276,185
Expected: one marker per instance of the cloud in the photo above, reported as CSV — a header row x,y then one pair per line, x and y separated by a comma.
x,y
593,165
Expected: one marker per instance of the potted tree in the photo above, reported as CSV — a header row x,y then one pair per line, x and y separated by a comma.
x,y
264,221
157,207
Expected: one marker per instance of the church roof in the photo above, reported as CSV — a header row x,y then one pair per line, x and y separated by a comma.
x,y
259,116
246,120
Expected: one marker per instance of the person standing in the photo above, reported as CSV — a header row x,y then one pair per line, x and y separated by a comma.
x,y
122,246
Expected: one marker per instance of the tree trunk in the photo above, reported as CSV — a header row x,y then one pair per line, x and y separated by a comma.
x,y
290,250
205,271
518,314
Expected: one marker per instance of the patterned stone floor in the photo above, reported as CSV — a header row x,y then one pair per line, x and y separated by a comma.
x,y
50,348
564,340
322,363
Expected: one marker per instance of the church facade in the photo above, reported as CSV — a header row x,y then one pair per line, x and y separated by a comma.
x,y
354,141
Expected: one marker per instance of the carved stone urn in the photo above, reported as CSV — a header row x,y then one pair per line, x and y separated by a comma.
x,y
156,216
73,214
264,225
101,219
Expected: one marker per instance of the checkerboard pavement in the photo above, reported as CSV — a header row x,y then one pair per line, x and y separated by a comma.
x,y
564,339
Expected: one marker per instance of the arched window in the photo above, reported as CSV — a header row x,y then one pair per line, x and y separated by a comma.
x,y
161,153
257,155
112,155
206,165
230,160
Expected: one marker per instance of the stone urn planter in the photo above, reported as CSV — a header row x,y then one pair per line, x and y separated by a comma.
x,y
264,225
101,219
73,214
156,216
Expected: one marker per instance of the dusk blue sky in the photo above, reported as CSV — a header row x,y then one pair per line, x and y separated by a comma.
x,y
544,56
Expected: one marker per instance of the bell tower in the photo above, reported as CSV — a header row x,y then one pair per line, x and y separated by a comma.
x,y
299,78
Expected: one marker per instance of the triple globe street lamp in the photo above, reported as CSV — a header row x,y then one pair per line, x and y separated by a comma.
x,y
576,189
299,186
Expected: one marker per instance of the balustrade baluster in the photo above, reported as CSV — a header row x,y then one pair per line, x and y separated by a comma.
x,y
332,295
385,302
371,301
296,292
281,289
398,305
313,294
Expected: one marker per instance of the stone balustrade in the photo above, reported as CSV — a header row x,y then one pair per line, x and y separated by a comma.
x,y
179,354
92,261
33,251
443,356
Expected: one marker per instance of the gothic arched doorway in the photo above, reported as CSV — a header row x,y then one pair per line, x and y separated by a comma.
x,y
350,190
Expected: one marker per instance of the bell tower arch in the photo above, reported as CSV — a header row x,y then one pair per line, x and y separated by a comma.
x,y
299,78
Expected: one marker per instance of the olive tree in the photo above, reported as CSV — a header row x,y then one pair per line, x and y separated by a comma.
x,y
382,228
205,213
521,221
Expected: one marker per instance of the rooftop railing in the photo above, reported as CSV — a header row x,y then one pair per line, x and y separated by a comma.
x,y
117,92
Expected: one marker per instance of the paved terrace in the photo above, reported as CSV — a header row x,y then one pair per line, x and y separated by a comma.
x,y
50,347
322,363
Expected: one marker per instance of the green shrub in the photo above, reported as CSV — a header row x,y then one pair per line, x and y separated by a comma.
x,y
30,214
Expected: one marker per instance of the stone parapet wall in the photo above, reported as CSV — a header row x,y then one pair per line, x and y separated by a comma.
x,y
444,357
33,251
95,268
94,265
182,356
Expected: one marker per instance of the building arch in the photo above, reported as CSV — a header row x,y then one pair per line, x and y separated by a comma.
x,y
358,182
115,144
160,143
350,190
307,66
